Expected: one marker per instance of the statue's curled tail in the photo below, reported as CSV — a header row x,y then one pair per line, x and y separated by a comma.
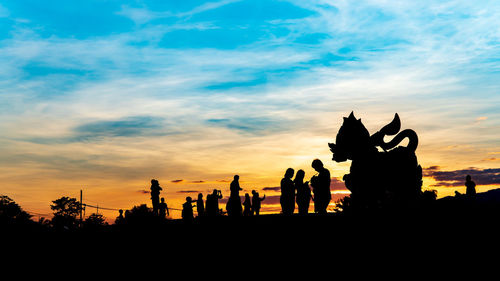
x,y
392,129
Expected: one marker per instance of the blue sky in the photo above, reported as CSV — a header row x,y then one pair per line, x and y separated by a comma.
x,y
127,84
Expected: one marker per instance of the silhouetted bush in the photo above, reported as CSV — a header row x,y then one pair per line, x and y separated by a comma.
x,y
94,221
141,215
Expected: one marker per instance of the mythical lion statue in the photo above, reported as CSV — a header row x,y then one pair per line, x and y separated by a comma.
x,y
381,174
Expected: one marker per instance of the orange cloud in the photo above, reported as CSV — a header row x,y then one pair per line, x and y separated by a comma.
x,y
491,159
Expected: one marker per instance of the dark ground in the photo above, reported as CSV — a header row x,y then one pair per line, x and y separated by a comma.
x,y
451,230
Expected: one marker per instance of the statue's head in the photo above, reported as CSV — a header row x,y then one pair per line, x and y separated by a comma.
x,y
352,136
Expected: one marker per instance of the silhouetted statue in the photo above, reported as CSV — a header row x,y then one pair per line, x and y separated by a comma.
x,y
256,202
247,206
471,187
378,178
163,208
321,187
200,207
187,210
155,195
212,203
233,206
303,192
287,199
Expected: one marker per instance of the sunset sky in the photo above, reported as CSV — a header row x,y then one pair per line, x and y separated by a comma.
x,y
106,95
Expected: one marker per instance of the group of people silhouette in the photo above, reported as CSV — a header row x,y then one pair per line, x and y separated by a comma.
x,y
234,207
298,191
293,192
159,207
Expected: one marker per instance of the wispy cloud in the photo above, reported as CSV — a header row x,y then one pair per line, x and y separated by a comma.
x,y
188,191
136,126
150,89
457,177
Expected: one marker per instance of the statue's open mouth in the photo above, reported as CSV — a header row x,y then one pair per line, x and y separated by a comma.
x,y
337,157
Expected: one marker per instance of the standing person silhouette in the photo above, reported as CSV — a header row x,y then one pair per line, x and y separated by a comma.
x,y
155,195
120,218
471,186
247,206
212,203
321,187
163,208
200,207
256,202
187,210
233,205
303,192
287,198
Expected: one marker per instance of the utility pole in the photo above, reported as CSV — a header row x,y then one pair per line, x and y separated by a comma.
x,y
81,207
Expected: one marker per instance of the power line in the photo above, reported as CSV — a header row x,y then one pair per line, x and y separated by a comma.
x,y
37,214
113,209
103,208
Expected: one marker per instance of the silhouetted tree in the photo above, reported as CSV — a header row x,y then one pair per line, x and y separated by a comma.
x,y
66,210
11,212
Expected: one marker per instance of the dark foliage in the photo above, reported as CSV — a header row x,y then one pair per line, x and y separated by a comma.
x,y
66,210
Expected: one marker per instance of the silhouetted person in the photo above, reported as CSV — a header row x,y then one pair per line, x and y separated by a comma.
x,y
321,187
247,206
233,206
155,195
212,203
200,207
163,208
471,186
287,199
187,210
120,217
303,192
256,202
